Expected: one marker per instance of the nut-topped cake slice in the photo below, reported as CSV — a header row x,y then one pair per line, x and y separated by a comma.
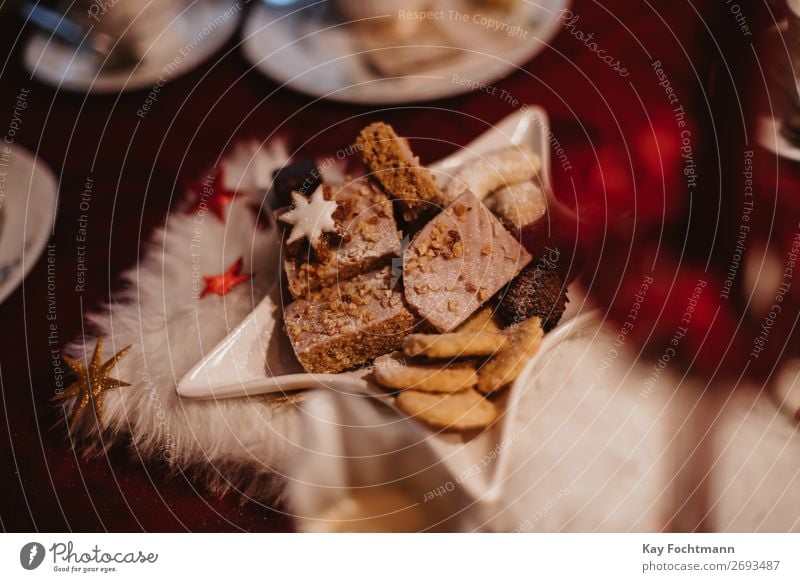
x,y
367,238
458,261
342,326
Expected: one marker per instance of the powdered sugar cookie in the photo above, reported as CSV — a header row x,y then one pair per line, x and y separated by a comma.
x,y
500,168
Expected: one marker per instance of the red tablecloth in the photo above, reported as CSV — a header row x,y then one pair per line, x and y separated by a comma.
x,y
615,130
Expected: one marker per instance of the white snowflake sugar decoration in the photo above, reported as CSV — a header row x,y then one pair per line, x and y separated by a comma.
x,y
310,217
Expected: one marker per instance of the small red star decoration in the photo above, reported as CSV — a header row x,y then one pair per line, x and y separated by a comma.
x,y
221,284
210,192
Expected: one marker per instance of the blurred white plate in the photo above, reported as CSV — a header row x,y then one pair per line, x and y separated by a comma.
x,y
236,366
303,50
27,211
196,34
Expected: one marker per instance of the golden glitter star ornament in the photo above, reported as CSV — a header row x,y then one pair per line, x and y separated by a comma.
x,y
92,382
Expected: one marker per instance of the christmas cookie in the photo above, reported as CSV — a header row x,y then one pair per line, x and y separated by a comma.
x,y
453,345
458,261
495,170
399,373
464,410
310,217
523,341
518,205
481,320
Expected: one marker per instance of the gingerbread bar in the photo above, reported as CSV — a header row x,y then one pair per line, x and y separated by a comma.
x,y
391,162
458,261
345,325
370,239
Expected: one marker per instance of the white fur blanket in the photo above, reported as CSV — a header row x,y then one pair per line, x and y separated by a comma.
x,y
239,443
591,455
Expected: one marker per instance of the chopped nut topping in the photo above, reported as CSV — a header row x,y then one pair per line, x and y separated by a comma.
x,y
366,236
465,260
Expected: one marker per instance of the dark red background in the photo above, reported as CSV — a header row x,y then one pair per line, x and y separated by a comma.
x,y
618,133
